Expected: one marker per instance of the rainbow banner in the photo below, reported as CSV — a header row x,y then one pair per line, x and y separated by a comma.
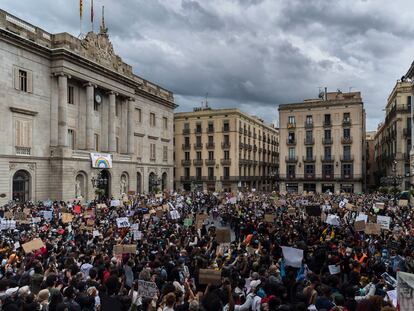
x,y
101,160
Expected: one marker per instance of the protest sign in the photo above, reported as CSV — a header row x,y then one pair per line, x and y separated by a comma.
x,y
402,203
16,245
392,295
27,211
333,220
115,203
371,228
77,209
48,215
8,215
313,210
334,269
147,289
134,227
379,205
233,200
359,225
372,218
389,279
293,256
19,216
209,276
99,206
362,216
122,222
269,218
351,207
67,218
405,288
384,222
96,233
223,235
33,245
291,211
90,222
125,249
137,235
7,224
188,222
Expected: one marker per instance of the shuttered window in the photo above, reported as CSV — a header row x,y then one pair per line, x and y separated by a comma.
x,y
22,79
23,133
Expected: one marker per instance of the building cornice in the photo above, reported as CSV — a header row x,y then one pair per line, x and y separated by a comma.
x,y
23,111
318,104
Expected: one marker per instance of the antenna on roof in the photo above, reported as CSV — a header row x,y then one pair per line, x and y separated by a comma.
x,y
321,93
350,89
206,102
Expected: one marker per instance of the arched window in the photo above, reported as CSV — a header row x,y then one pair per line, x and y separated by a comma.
x,y
21,186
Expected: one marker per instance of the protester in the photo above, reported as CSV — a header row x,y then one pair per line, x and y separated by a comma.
x,y
206,251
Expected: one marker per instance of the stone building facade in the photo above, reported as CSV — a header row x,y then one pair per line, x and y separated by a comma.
x,y
224,149
322,144
393,137
63,98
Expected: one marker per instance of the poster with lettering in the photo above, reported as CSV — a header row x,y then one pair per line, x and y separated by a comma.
x,y
384,222
122,222
405,288
147,289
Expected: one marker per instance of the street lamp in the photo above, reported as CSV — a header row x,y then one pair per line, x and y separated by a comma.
x,y
393,181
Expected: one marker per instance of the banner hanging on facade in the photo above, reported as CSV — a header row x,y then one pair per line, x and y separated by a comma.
x,y
101,160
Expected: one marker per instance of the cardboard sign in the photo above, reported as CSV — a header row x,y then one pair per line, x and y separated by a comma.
x,y
27,211
351,207
209,276
165,208
405,288
100,206
359,225
137,235
293,256
384,221
67,218
8,215
269,218
291,211
313,210
147,289
379,205
402,203
223,235
125,249
122,222
200,220
159,213
90,222
33,245
334,269
371,228
20,216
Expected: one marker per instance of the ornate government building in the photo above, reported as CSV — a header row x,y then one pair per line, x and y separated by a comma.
x,y
74,118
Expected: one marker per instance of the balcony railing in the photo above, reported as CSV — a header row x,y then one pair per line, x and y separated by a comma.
x,y
186,131
291,159
309,141
346,122
309,159
225,161
187,178
185,162
227,129
346,176
327,176
23,150
291,176
327,141
210,145
308,125
197,162
210,130
309,176
209,162
225,145
290,142
346,140
347,158
241,145
198,130
327,158
186,146
327,123
198,146
211,178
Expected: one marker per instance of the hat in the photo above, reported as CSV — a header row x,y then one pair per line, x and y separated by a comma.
x,y
12,291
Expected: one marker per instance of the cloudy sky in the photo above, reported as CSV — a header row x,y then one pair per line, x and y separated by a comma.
x,y
253,54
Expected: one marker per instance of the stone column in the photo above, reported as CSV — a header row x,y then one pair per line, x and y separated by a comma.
x,y
89,116
130,132
63,110
124,127
111,123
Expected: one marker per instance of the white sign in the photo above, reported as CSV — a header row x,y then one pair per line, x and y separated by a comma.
x,y
101,160
405,287
7,224
137,235
174,214
115,203
96,233
134,227
293,256
147,289
48,215
122,222
16,245
384,221
333,220
334,269
362,216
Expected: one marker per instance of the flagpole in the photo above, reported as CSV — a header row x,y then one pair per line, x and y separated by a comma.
x,y
80,17
92,14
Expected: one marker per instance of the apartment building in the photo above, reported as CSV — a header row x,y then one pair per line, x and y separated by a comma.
x,y
393,137
224,149
322,144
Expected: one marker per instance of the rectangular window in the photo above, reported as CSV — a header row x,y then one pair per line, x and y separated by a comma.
x,y
409,103
187,141
186,172
309,153
165,123
198,172
327,170
211,155
328,153
291,170
211,172
226,171
210,139
309,136
309,169
187,155
327,134
139,143
291,137
291,120
347,170
198,155
70,95
309,120
23,80
152,152
198,128
138,116
347,133
292,153
347,152
226,126
71,139
347,117
226,155
186,126
96,139
327,119
23,134
226,139
198,140
152,119
165,153
210,127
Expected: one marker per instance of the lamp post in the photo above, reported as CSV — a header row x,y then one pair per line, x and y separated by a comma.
x,y
393,180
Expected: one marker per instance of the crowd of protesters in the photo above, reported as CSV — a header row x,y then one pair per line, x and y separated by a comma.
x,y
77,267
